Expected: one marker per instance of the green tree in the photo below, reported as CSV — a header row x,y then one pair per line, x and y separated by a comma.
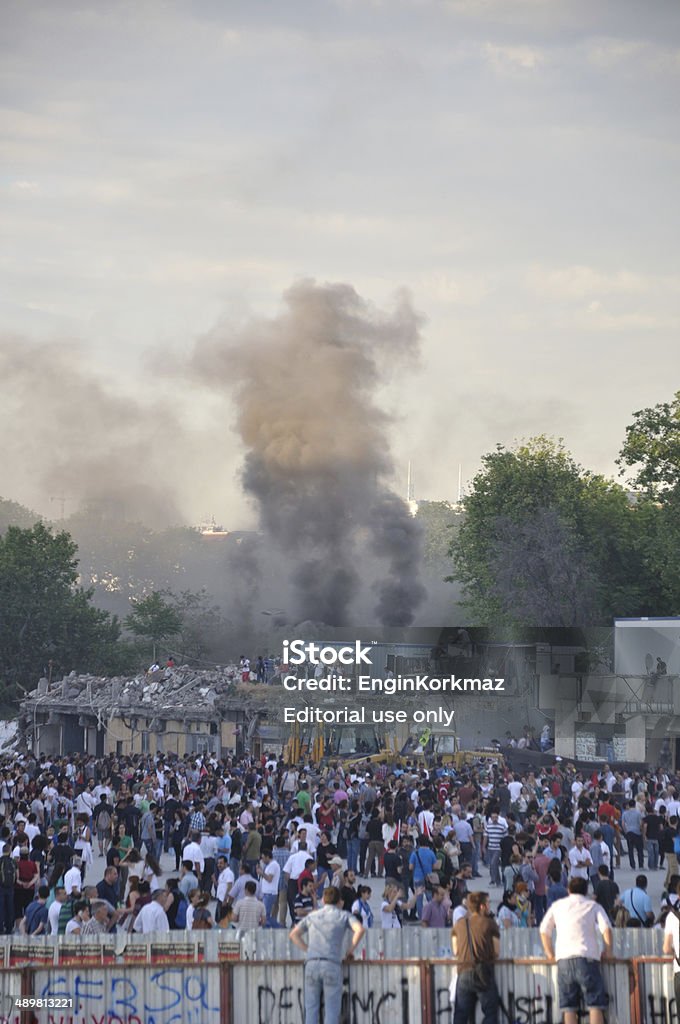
x,y
652,446
440,522
531,498
652,451
14,514
202,625
154,619
44,616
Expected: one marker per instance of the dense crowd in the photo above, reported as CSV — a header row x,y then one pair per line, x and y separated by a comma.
x,y
255,843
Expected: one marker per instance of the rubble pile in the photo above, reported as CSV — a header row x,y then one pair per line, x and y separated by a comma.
x,y
181,687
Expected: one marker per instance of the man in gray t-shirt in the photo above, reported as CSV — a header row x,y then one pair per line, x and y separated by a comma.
x,y
321,936
631,823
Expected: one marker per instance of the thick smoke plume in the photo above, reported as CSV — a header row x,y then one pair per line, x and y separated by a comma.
x,y
318,457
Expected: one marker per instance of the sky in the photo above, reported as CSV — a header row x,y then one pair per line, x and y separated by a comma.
x,y
171,169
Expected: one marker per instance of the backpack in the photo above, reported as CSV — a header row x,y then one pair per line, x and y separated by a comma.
x,y
8,872
676,846
181,915
103,821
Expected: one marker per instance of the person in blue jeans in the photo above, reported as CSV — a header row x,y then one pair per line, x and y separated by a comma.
x,y
579,923
476,940
421,863
322,937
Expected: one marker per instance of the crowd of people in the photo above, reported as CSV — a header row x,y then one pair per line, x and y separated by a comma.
x,y
258,844
263,833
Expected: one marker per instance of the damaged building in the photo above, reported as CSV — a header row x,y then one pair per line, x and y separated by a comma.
x,y
180,711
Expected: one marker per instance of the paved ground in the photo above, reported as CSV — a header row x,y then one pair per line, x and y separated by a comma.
x,y
624,878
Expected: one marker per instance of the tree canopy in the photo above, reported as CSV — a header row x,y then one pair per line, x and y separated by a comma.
x,y
652,447
154,618
546,542
44,615
652,451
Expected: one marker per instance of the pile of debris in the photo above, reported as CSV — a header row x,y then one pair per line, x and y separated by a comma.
x,y
179,687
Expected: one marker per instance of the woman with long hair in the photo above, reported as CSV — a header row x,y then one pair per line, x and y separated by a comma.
x,y
152,871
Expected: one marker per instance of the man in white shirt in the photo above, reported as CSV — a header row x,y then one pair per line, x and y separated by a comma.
x,y
303,838
31,829
102,788
671,947
425,822
152,917
393,906
270,875
576,789
580,860
292,870
313,832
578,921
295,864
515,788
672,804
192,851
73,879
53,912
225,880
86,802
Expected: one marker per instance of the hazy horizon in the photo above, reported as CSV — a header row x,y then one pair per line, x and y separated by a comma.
x,y
172,170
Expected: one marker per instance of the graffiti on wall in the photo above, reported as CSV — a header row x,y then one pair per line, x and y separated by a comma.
x,y
170,995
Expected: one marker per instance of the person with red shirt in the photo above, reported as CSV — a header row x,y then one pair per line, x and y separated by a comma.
x,y
27,878
609,809
325,815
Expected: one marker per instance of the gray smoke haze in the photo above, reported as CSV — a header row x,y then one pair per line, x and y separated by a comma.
x,y
75,437
317,452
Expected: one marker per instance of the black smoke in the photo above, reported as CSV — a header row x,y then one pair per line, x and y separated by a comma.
x,y
317,460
